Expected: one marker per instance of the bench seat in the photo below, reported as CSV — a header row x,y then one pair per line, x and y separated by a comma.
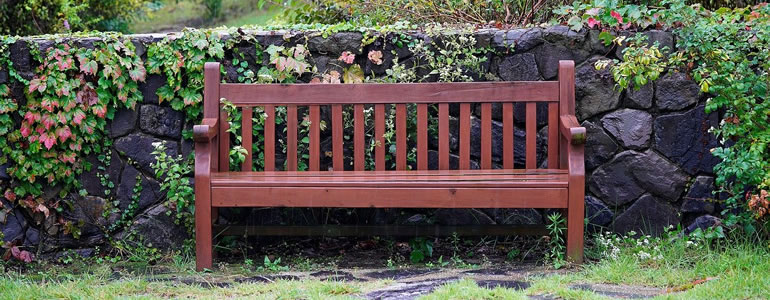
x,y
541,188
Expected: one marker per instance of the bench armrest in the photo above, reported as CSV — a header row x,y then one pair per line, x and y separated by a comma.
x,y
206,131
571,130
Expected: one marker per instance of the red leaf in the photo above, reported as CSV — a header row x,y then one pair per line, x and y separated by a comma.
x,y
37,84
48,122
63,133
48,140
138,73
593,22
22,255
78,117
88,66
10,195
43,209
100,111
25,130
617,16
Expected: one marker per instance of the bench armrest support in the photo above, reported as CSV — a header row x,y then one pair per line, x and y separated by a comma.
x,y
206,131
571,130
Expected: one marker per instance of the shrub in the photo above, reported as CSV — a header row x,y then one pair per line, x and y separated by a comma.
x,y
35,17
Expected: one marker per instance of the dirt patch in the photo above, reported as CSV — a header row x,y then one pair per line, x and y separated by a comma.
x,y
399,274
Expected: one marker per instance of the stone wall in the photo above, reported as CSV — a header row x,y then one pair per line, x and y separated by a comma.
x,y
647,155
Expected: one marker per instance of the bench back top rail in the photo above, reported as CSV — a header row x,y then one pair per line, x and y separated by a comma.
x,y
385,99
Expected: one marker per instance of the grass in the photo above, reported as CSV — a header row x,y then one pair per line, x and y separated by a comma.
x,y
175,15
735,268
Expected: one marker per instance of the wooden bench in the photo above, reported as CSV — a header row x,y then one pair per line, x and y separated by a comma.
x,y
560,185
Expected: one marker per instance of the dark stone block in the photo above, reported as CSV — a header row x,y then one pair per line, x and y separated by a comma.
x,y
150,86
138,147
684,138
599,147
12,223
336,43
3,76
21,58
631,173
162,121
675,91
519,67
89,211
564,35
700,199
91,180
548,56
522,39
703,222
157,227
515,216
641,98
594,89
597,46
599,215
648,215
124,122
460,216
31,237
149,195
4,172
632,128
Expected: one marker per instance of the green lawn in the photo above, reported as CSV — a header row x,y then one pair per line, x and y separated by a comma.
x,y
734,269
175,15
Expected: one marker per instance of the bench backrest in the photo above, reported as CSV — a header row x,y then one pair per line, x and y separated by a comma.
x,y
559,96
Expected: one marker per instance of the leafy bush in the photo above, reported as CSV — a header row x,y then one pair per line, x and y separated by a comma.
x,y
35,17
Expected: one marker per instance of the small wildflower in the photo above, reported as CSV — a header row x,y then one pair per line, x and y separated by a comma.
x,y
375,56
347,57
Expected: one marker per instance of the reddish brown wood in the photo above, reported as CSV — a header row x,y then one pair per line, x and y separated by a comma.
x,y
224,142
269,137
379,133
508,135
486,188
380,230
358,136
337,139
401,137
531,128
389,197
465,136
309,94
566,101
486,135
422,136
246,131
315,137
443,136
291,136
553,135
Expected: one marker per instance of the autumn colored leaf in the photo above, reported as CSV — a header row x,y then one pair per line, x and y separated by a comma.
x,y
63,133
138,73
22,255
10,195
78,117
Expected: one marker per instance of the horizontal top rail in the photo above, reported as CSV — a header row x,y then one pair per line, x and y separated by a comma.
x,y
389,93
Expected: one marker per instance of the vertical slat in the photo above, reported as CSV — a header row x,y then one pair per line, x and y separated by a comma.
x,y
443,136
531,124
358,137
422,136
291,136
401,137
270,138
508,135
379,133
224,142
486,135
246,131
553,135
337,140
465,136
315,137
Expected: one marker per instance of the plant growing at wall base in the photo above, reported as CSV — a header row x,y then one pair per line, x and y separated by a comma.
x,y
180,195
557,225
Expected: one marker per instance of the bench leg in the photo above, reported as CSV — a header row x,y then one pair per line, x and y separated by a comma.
x,y
203,210
575,224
